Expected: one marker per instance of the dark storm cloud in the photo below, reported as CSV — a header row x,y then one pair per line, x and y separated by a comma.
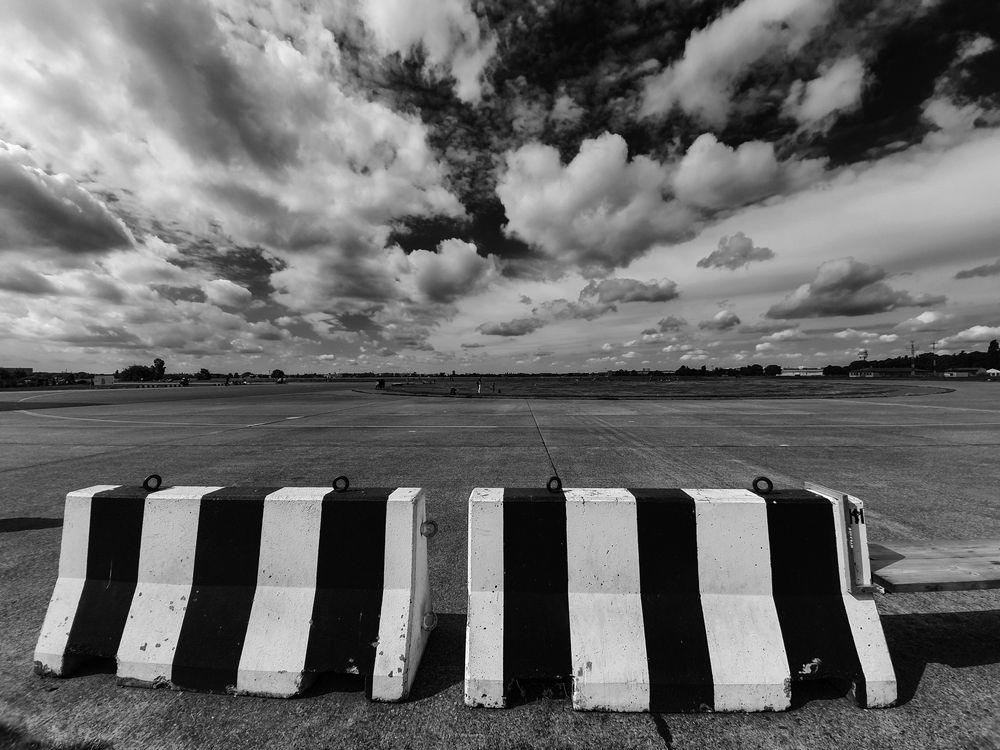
x,y
189,82
42,209
473,346
847,287
989,269
735,252
516,327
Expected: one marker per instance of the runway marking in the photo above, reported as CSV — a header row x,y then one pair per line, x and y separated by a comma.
x,y
919,406
236,425
127,421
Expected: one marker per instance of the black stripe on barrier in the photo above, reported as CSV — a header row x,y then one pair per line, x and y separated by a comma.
x,y
225,578
112,569
349,582
536,640
680,667
805,579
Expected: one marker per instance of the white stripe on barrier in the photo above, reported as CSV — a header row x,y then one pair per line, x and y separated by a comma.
x,y
879,676
749,665
608,642
484,633
405,597
163,588
274,650
50,652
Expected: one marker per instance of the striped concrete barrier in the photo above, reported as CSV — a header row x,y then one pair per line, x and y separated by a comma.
x,y
669,599
245,590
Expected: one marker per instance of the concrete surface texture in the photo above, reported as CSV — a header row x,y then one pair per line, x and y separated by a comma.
x,y
925,467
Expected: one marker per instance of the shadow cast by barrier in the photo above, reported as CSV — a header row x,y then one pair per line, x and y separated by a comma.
x,y
443,663
28,524
957,639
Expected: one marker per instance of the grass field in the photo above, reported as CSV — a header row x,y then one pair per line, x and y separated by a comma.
x,y
659,388
925,465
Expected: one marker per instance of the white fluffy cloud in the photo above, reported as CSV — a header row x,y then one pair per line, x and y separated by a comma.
x,y
713,175
928,320
454,271
599,212
979,334
701,83
724,320
226,293
735,252
447,30
836,89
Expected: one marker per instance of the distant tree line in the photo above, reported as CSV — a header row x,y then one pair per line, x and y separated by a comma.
x,y
990,359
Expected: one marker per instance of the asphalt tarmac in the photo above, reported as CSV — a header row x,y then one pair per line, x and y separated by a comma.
x,y
926,467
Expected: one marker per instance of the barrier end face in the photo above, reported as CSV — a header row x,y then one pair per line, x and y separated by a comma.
x,y
389,689
484,694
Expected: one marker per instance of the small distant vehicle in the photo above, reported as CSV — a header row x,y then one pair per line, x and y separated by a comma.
x,y
184,382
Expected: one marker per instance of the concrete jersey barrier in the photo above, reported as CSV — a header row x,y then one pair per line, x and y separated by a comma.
x,y
247,590
670,599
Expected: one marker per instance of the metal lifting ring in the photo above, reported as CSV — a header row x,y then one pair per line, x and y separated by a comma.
x,y
152,482
341,483
763,485
429,528
430,621
554,485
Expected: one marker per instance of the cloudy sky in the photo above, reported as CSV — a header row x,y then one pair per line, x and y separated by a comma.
x,y
496,185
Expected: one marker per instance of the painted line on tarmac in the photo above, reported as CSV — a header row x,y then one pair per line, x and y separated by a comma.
x,y
129,421
919,406
261,424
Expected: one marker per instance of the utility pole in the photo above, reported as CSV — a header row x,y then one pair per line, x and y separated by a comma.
x,y
934,358
913,360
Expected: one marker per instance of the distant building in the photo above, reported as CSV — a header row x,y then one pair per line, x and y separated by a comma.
x,y
993,373
801,372
964,372
104,380
888,372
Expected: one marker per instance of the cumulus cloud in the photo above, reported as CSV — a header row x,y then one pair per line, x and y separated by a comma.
x,y
671,323
973,334
713,175
925,321
988,269
516,327
38,209
226,293
448,32
716,57
735,252
454,271
599,212
724,320
609,291
847,287
785,334
836,89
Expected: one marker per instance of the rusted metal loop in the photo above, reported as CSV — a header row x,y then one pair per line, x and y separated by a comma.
x,y
341,483
429,528
554,485
430,621
763,485
152,483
